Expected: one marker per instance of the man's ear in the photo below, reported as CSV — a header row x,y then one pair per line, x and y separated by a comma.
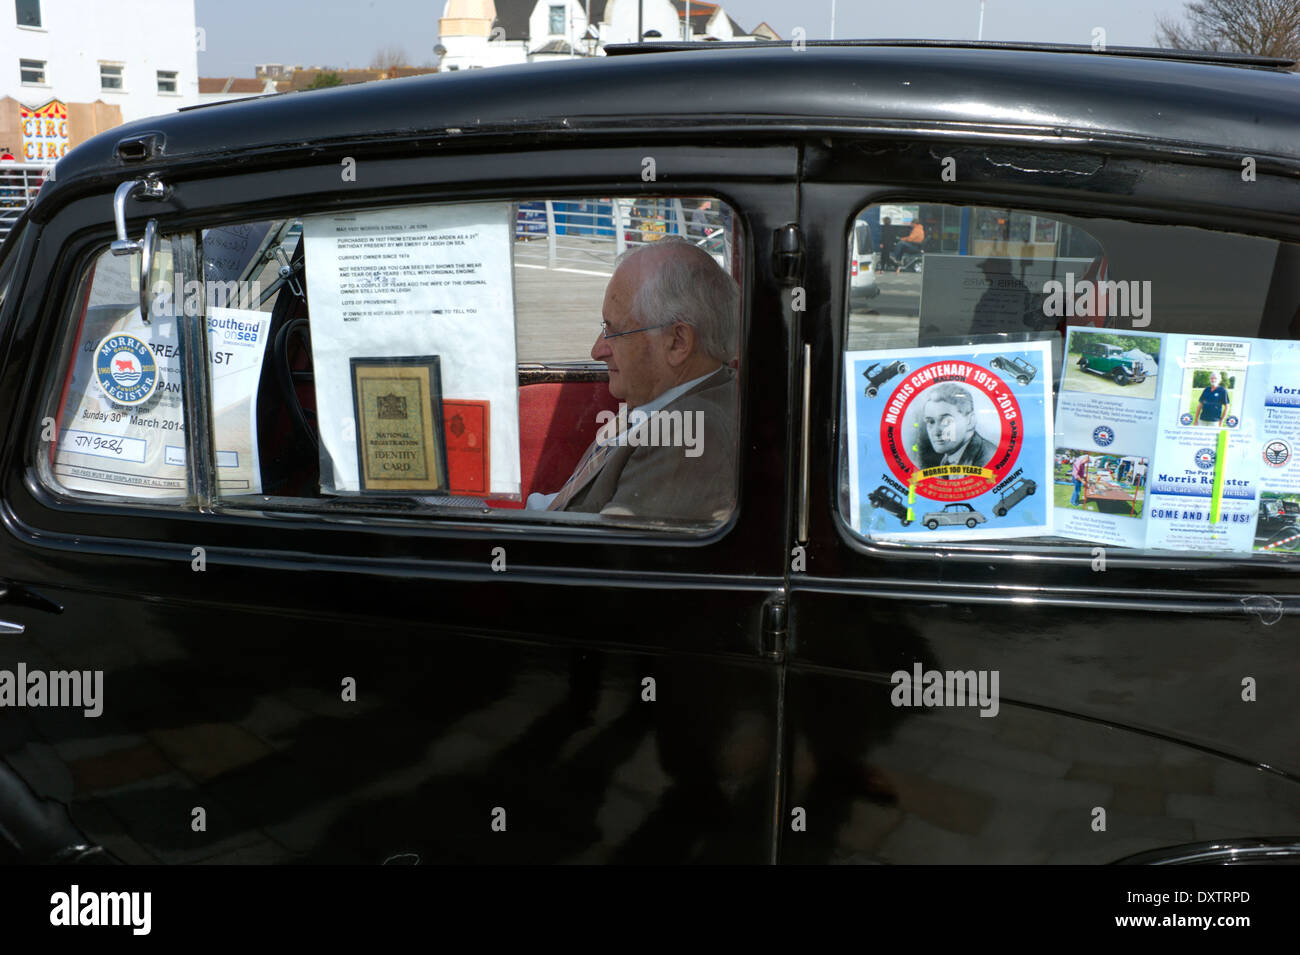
x,y
681,343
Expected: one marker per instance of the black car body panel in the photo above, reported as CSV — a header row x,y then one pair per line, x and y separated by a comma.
x,y
525,691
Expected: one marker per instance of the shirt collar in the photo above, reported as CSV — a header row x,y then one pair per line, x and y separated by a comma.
x,y
672,394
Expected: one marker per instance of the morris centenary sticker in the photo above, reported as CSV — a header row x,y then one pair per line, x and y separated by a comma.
x,y
950,442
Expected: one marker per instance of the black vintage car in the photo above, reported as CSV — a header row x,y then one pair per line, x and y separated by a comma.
x,y
1020,369
886,498
246,652
880,373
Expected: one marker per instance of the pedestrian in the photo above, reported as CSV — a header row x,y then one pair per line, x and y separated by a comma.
x,y
1079,474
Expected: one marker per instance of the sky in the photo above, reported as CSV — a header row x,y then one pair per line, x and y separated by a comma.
x,y
348,33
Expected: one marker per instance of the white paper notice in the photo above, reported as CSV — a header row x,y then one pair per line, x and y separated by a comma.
x,y
122,425
414,281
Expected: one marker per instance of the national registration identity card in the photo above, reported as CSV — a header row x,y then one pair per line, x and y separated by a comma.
x,y
398,408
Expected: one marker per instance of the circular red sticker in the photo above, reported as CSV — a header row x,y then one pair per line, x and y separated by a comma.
x,y
952,429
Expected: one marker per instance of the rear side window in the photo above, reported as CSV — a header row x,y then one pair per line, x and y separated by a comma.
x,y
1059,379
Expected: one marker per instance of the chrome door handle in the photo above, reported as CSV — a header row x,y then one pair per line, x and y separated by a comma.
x,y
7,627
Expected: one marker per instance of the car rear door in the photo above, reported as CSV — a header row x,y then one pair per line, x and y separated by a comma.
x,y
1123,719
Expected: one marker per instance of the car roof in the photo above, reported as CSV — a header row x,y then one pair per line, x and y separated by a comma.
x,y
1073,96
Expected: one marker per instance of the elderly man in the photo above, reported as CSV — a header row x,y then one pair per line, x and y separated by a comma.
x,y
948,417
668,337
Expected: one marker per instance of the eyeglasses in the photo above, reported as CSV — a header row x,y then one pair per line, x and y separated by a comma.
x,y
605,332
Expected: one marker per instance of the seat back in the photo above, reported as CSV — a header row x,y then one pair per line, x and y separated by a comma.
x,y
557,421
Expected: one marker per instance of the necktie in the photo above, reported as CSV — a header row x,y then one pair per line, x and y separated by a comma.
x,y
588,467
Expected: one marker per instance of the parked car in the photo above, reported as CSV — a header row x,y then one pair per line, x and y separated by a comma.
x,y
960,513
887,499
1110,362
441,674
1013,495
1018,368
1278,517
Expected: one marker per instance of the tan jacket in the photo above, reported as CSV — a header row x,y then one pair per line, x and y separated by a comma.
x,y
664,481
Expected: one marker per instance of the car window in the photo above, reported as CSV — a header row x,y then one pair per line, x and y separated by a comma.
x,y
443,359
1050,378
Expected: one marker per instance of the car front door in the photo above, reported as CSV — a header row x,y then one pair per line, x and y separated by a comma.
x,y
281,684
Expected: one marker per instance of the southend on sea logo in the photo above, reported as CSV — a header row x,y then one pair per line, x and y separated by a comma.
x,y
126,369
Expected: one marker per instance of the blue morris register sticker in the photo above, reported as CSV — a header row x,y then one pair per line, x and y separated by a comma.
x,y
125,369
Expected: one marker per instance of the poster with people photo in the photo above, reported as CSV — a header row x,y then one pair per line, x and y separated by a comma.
x,y
1105,432
950,443
1205,490
1213,382
1277,443
1160,443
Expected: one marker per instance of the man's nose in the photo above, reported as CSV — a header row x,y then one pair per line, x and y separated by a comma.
x,y
601,350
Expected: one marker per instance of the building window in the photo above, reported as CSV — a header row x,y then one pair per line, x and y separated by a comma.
x,y
166,81
32,71
110,76
29,12
557,19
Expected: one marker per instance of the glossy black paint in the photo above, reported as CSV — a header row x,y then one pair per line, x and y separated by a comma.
x,y
524,690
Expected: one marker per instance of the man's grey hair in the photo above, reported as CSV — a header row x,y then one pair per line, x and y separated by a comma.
x,y
953,394
689,286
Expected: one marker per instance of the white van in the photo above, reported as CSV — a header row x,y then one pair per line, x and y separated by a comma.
x,y
862,264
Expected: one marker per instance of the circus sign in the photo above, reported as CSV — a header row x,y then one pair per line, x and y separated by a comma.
x,y
45,131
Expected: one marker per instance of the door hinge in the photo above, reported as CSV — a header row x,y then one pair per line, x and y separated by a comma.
x,y
787,254
774,628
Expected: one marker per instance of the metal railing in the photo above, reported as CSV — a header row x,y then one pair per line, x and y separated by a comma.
x,y
19,183
588,236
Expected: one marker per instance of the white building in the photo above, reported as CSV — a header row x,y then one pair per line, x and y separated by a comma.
x,y
140,56
479,33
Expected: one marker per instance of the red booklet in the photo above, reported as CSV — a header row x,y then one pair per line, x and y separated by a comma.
x,y
465,426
